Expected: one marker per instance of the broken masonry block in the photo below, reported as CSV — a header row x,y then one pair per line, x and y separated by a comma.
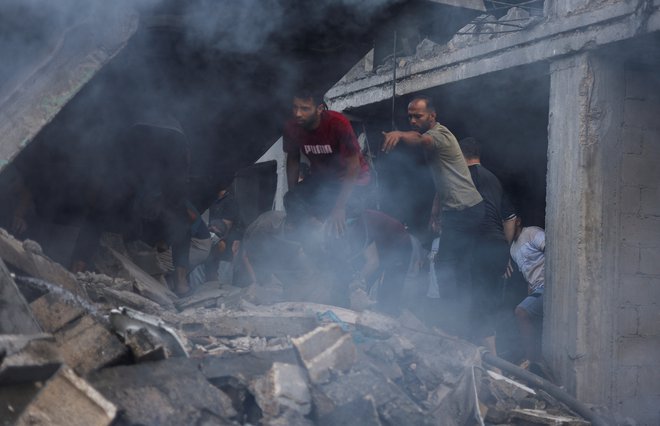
x,y
53,313
28,358
66,399
145,346
86,345
324,350
283,387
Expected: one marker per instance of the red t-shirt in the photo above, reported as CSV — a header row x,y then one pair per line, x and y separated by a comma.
x,y
327,146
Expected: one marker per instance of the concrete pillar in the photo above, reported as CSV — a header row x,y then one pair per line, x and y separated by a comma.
x,y
582,222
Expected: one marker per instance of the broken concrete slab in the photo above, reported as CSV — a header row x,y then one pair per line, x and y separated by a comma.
x,y
205,296
27,358
117,298
170,392
66,399
369,322
27,257
262,321
15,314
393,405
53,313
541,417
86,345
326,350
145,284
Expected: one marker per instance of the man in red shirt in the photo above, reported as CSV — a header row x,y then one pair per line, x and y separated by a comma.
x,y
339,172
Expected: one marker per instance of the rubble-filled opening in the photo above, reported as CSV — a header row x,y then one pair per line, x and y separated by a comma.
x,y
507,112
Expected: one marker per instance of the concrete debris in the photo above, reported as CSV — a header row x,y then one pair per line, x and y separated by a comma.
x,y
15,315
127,322
326,350
145,284
361,409
541,417
53,313
66,399
169,392
27,358
145,346
205,296
283,388
217,357
87,345
263,322
35,264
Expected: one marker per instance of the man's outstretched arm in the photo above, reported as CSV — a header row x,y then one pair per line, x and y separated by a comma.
x,y
412,138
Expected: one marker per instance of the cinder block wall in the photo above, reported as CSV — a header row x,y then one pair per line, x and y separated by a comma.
x,y
637,346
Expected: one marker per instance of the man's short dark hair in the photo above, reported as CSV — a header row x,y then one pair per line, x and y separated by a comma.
x,y
470,147
427,100
308,92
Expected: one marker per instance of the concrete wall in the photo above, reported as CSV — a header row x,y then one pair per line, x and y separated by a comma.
x,y
602,325
582,222
637,380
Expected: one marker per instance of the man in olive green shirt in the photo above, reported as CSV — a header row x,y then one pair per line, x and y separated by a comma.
x,y
458,208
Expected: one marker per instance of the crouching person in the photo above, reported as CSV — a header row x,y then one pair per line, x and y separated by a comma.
x,y
528,251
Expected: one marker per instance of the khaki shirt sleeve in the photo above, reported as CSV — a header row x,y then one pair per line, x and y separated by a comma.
x,y
440,139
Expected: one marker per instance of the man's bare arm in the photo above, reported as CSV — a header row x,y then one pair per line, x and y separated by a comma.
x,y
292,168
412,138
509,226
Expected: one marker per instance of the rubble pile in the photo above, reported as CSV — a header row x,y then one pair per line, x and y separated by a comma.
x,y
97,350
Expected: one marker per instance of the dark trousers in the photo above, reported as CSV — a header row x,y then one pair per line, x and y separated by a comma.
x,y
395,270
490,259
453,266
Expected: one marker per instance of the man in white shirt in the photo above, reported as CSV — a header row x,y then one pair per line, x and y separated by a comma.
x,y
528,251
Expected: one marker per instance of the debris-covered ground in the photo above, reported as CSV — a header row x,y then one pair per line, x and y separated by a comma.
x,y
96,350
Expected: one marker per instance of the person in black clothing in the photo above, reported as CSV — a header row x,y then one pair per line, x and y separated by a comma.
x,y
491,254
144,196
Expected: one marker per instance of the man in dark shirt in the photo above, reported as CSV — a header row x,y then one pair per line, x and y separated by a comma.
x,y
491,254
339,172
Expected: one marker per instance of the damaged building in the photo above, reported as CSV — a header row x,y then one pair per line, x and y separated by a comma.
x,y
562,94
564,97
